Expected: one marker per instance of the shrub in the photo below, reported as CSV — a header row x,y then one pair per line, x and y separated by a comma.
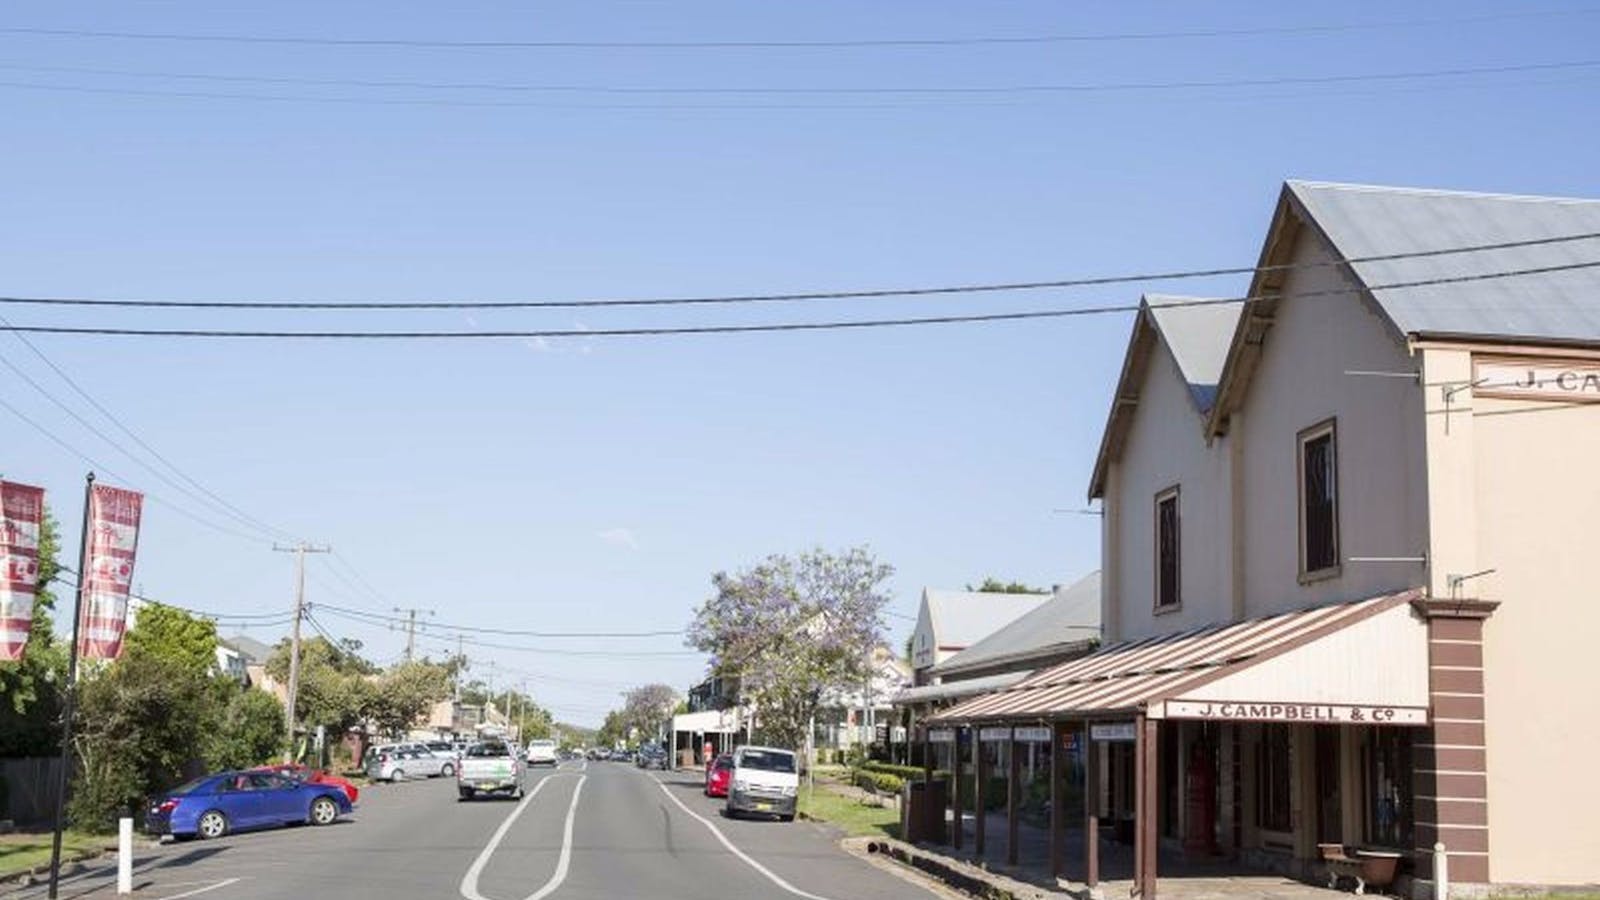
x,y
883,782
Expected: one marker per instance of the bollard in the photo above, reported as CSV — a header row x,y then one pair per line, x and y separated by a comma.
x,y
125,855
1441,872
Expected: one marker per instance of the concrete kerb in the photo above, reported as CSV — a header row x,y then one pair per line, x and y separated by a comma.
x,y
954,873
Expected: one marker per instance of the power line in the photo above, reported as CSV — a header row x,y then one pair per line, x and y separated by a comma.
x,y
662,331
978,91
992,40
235,511
551,651
791,296
653,90
385,619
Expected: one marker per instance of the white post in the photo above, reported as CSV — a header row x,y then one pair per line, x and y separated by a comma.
x,y
1441,872
125,855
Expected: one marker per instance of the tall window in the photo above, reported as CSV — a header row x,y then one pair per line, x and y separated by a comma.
x,y
1388,801
1319,500
1168,557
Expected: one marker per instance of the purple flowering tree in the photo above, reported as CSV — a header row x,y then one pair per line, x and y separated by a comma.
x,y
791,629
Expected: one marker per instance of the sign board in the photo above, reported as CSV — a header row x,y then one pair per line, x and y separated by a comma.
x,y
1111,731
897,735
942,735
995,734
1537,379
1038,734
1348,714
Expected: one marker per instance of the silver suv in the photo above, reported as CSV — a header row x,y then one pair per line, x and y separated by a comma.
x,y
397,762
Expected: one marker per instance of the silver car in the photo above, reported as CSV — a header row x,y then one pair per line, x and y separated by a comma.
x,y
397,762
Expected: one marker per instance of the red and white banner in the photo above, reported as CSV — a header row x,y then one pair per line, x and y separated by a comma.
x,y
21,518
108,574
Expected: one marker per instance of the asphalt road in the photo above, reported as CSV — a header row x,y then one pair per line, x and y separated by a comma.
x,y
586,831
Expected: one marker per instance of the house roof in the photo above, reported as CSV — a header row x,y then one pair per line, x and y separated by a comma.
x,y
962,618
1196,333
1365,221
250,647
1071,617
1555,301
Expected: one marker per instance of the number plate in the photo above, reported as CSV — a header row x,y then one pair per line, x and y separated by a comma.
x,y
763,807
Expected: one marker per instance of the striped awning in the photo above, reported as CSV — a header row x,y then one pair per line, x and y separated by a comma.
x,y
1208,665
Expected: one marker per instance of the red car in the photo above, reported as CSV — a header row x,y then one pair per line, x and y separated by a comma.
x,y
313,776
718,775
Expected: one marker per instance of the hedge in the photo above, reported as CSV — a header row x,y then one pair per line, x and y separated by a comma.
x,y
884,782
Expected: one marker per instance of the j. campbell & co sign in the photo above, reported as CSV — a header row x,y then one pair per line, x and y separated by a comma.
x,y
1537,379
1350,714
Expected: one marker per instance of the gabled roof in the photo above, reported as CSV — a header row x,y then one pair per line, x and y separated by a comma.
x,y
1558,305
1070,618
251,648
1196,333
962,618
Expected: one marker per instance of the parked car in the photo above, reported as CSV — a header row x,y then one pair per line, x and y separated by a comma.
x,y
719,776
489,767
397,762
652,756
300,772
541,752
765,780
214,805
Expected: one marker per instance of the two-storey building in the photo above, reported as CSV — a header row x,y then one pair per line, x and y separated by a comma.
x,y
1348,550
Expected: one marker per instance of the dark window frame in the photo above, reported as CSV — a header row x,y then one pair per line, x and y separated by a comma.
x,y
1328,562
1275,768
1173,495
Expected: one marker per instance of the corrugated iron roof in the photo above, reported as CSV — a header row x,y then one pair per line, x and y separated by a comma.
x,y
1070,616
1362,221
1125,676
963,618
1198,337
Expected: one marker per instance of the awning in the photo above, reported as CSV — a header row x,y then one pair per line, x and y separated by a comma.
x,y
954,690
709,721
1352,662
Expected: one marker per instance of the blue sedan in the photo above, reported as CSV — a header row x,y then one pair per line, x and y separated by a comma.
x,y
212,806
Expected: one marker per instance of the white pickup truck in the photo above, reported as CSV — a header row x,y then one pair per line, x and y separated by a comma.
x,y
489,767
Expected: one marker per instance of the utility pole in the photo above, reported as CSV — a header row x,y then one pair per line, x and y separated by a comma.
x,y
299,550
411,628
460,661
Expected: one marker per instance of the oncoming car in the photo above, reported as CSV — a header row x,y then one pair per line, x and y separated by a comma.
x,y
214,805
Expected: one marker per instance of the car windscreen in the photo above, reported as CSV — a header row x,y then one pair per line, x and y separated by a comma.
x,y
767,760
189,787
483,751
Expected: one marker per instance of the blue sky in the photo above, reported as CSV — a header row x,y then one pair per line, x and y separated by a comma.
x,y
583,484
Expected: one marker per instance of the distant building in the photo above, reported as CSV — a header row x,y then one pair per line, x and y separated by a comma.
x,y
951,621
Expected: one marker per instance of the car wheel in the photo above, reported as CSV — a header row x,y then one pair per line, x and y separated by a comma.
x,y
323,811
787,817
212,824
466,794
397,776
449,771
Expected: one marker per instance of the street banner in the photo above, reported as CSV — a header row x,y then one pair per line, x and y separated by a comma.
x,y
108,572
21,518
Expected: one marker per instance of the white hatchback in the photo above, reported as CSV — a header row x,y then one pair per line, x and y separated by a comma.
x,y
541,752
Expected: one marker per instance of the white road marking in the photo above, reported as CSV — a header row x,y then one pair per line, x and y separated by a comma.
x,y
203,890
771,875
469,881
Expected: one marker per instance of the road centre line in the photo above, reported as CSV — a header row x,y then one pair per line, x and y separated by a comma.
x,y
771,875
469,881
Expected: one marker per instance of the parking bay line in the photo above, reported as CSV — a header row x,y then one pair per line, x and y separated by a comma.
x,y
771,875
469,881
201,890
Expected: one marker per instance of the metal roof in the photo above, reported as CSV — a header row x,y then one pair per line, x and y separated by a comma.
x,y
1070,616
962,618
1198,338
1124,676
1562,306
952,690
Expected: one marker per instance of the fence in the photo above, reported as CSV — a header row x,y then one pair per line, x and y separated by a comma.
x,y
30,793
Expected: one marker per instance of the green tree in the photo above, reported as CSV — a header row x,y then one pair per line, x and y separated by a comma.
x,y
30,688
335,690
613,731
993,585
172,634
247,730
648,708
404,693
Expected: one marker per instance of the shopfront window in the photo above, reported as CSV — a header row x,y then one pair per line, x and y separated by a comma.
x,y
1274,775
1388,781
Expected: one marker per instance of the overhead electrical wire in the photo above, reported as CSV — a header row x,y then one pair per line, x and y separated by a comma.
x,y
795,44
551,651
433,625
902,92
793,296
70,578
820,90
832,325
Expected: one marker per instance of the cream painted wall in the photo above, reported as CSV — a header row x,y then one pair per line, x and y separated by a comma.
x,y
1536,468
1300,382
1165,448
